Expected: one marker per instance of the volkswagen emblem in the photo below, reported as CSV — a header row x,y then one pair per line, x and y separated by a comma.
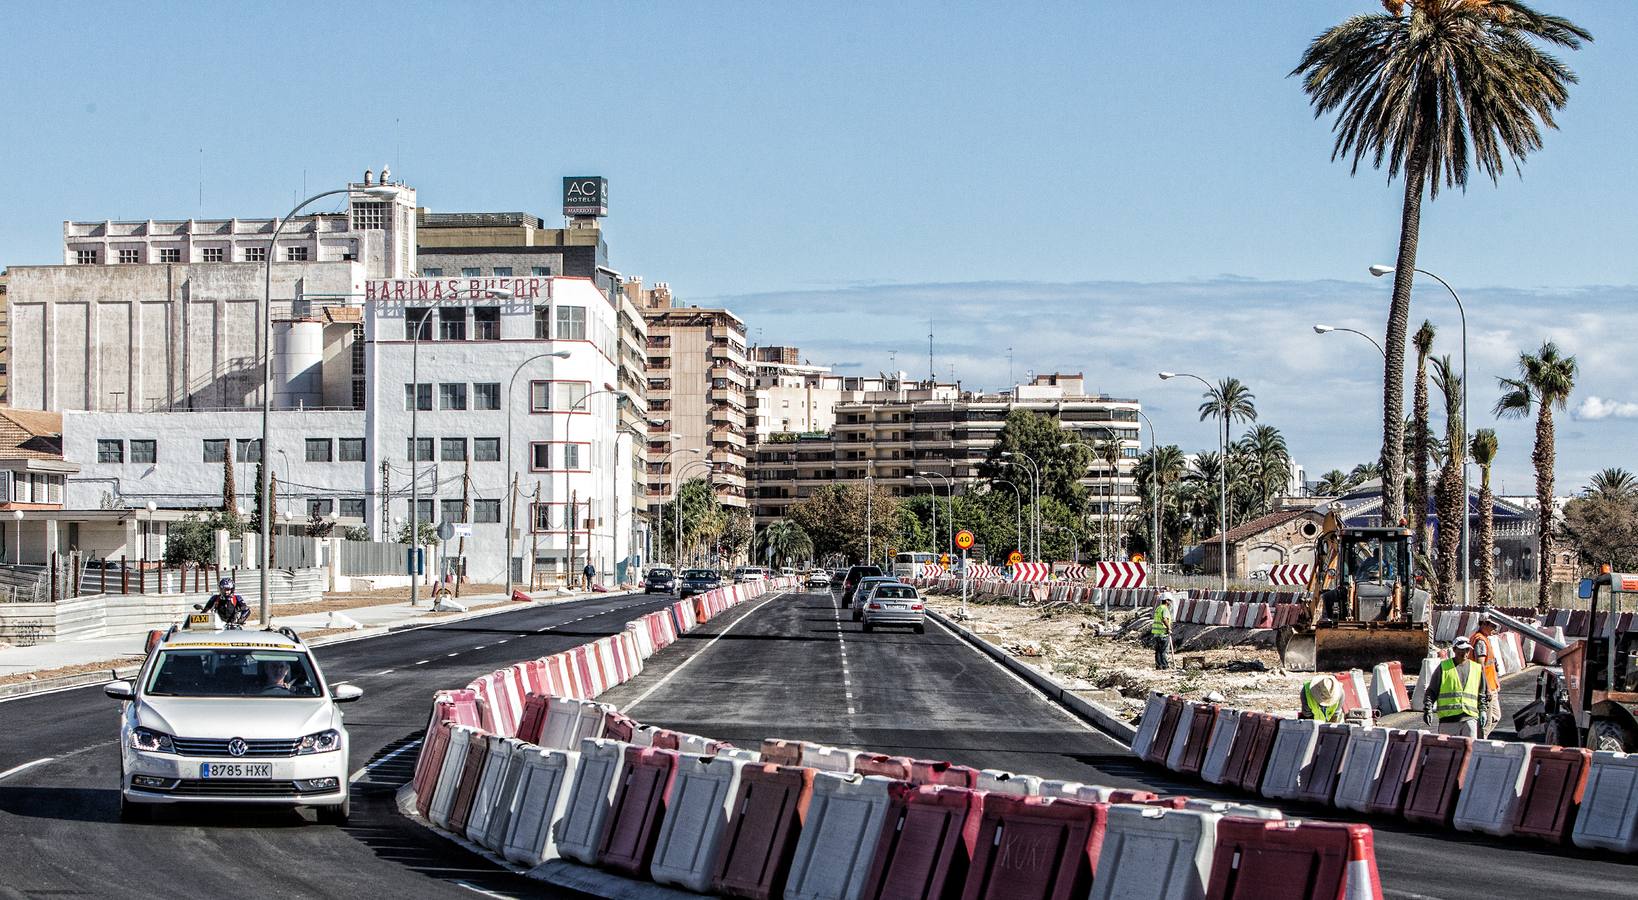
x,y
237,747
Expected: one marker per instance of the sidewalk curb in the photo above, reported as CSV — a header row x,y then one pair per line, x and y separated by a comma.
x,y
1097,715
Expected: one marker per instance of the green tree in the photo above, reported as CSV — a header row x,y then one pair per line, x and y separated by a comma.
x,y
1612,483
1449,497
1159,469
1545,381
193,540
1484,453
835,518
1364,472
702,519
230,491
1270,462
785,543
1433,88
1420,432
1332,484
737,531
1042,439
1603,529
428,532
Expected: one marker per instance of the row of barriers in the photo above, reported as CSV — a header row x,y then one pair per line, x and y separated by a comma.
x,y
560,777
1500,788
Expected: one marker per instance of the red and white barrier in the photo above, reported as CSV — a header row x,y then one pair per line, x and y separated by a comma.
x,y
1117,574
1031,573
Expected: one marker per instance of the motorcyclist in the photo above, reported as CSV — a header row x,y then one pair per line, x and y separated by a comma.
x,y
228,605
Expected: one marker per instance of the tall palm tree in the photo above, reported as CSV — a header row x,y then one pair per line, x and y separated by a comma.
x,y
1545,381
1434,88
787,541
1484,453
1332,483
1365,471
1423,339
1450,500
1158,470
1612,484
1270,462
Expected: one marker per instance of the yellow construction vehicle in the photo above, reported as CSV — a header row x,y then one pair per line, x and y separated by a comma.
x,y
1366,604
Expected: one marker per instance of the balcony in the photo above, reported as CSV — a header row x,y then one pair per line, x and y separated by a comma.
x,y
728,435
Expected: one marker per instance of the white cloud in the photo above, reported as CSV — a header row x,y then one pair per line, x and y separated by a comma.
x,y
1595,408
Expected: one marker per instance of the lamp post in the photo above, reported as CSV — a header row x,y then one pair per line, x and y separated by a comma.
x,y
1222,470
614,484
1020,495
511,499
870,524
1379,271
148,538
1034,502
949,496
1154,487
934,488
676,503
568,547
676,559
1327,329
286,458
17,550
376,191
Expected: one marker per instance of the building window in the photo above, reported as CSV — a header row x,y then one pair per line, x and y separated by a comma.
x,y
129,256
432,272
470,271
503,271
452,323
486,396
543,271
319,450
571,456
85,257
295,254
418,449
485,512
255,254
320,508
543,323
352,507
423,511
369,216
144,451
486,449
571,323
213,254
452,396
452,449
486,323
215,450
110,451
248,449
450,511
417,318
557,396
418,396
170,254
547,516
352,450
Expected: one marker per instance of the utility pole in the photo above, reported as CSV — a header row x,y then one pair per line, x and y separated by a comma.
x,y
534,537
386,502
466,516
511,525
574,515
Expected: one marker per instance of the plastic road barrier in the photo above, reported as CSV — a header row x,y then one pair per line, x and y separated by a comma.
x,y
1361,765
1192,742
784,753
1317,780
1035,848
763,825
695,821
995,781
683,742
633,826
1252,741
1226,808
1430,665
923,771
580,832
466,790
505,802
498,753
737,753
839,837
1148,723
1293,747
1609,806
617,727
1441,761
1158,853
533,720
1555,779
1180,735
1398,771
1384,699
1491,787
1214,768
1162,743
429,764
449,774
1293,860
459,707
927,842
538,803
894,767
570,721
829,759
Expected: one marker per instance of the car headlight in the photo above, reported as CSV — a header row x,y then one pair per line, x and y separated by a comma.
x,y
151,740
323,742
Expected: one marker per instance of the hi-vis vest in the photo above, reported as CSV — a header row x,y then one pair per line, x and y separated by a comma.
x,y
1320,713
1163,620
1458,696
1483,656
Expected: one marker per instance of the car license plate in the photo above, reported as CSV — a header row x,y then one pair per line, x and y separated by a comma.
x,y
235,770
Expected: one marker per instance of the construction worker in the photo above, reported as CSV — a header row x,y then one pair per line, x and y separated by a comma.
x,y
1160,632
1456,692
1322,699
1484,654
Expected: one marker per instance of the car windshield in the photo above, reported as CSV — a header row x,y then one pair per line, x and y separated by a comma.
x,y
895,592
660,573
699,573
208,672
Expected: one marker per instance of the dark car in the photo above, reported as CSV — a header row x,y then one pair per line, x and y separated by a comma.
x,y
698,581
851,582
837,578
662,580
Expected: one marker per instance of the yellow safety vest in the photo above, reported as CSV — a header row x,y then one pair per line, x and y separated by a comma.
x,y
1163,621
1320,713
1458,697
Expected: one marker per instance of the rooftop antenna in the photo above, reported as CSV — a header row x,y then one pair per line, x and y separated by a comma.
x,y
932,374
1009,367
201,181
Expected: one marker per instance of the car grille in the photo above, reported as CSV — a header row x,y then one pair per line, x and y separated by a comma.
x,y
259,749
226,788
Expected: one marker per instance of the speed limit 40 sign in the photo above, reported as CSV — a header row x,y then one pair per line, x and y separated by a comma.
x,y
964,539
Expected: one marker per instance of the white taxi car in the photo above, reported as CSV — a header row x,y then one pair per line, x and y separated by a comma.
x,y
232,716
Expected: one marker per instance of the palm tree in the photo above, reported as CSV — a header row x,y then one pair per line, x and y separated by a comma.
x,y
1332,483
1365,471
1423,339
1612,484
1157,471
1450,500
784,541
1484,453
1434,88
1270,462
1545,381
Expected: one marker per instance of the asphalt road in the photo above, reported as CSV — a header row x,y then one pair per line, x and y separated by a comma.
x,y
59,820
798,668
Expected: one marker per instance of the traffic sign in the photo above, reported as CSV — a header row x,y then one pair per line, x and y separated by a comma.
x,y
944,559
964,539
1014,558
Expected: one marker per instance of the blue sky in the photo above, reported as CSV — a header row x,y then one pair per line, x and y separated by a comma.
x,y
1108,188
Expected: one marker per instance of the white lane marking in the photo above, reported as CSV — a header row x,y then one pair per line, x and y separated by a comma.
x,y
448,655
422,662
1016,677
482,646
383,760
28,765
1390,892
480,891
383,672
502,641
699,653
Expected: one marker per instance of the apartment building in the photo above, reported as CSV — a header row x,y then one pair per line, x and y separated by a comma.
x,y
792,396
5,341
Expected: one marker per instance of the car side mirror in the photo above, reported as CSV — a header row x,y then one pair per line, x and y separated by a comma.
x,y
119,690
346,693
1584,590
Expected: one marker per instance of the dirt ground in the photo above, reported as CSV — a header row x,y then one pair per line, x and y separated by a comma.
x,y
1072,643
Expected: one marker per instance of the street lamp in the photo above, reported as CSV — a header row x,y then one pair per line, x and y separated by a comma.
x,y
17,551
676,503
1327,329
286,457
1379,271
1222,470
1020,523
676,560
381,190
511,489
934,488
949,494
568,546
1034,502
614,486
147,538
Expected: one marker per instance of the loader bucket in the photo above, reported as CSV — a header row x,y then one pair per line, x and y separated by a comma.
x,y
1296,649
1338,648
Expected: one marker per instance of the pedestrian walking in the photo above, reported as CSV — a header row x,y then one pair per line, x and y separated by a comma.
x,y
1456,692
590,571
1160,632
1484,654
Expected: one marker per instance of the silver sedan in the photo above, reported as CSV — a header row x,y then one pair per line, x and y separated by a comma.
x,y
897,605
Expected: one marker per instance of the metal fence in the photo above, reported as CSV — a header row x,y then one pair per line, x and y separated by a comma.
x,y
373,558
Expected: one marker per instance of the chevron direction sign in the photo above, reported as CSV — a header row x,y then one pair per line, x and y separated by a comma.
x,y
1289,574
1118,574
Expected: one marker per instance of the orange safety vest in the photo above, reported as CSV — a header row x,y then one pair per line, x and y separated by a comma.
x,y
1482,654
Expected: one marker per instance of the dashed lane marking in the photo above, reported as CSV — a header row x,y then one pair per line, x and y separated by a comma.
x,y
447,655
382,672
482,891
28,765
383,760
423,662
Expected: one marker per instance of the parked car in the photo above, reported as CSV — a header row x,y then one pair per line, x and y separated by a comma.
x,y
837,578
818,578
659,579
698,581
748,574
897,605
787,572
861,594
852,580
